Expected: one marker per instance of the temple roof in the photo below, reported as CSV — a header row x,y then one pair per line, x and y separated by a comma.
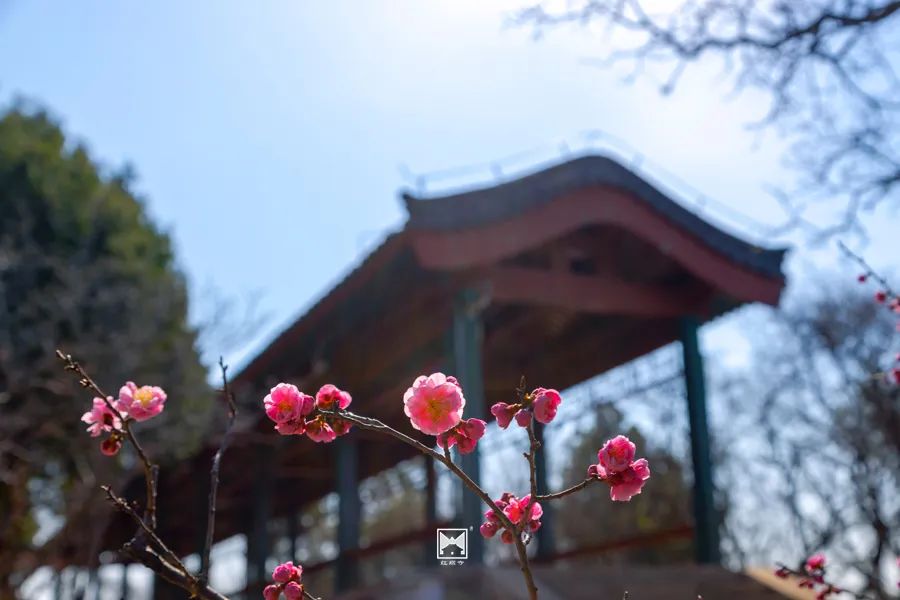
x,y
485,206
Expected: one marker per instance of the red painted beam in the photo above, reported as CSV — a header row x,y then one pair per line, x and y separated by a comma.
x,y
587,294
597,205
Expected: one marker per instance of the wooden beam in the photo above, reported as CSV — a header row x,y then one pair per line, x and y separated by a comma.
x,y
589,293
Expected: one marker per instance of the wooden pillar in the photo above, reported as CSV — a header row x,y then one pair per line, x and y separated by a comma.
x,y
57,585
349,511
123,590
467,341
428,549
258,536
706,537
293,529
546,537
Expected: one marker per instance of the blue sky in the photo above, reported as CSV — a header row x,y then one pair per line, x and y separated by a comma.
x,y
268,137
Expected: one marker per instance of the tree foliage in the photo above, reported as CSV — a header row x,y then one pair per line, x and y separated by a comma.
x,y
82,268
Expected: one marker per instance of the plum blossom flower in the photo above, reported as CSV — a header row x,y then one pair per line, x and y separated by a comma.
x,y
434,404
465,434
319,430
816,562
518,509
488,529
140,403
329,396
293,591
286,572
628,483
546,403
504,413
523,513
285,403
523,417
616,454
271,592
101,418
542,404
287,579
295,427
111,445
617,467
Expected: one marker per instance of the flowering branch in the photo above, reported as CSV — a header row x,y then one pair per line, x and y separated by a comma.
x,y
884,295
434,405
116,418
812,577
120,426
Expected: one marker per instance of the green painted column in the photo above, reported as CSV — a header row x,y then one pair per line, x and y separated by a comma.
x,y
349,511
258,543
706,535
428,549
468,332
546,535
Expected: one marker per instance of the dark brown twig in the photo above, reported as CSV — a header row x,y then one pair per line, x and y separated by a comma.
x,y
868,271
214,474
563,493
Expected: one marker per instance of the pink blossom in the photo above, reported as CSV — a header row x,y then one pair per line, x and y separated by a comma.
x,y
111,445
504,413
816,562
507,537
285,402
546,403
284,572
293,591
434,404
295,427
272,592
880,297
523,417
101,418
140,403
465,434
330,396
628,483
616,454
488,530
519,509
318,430
340,426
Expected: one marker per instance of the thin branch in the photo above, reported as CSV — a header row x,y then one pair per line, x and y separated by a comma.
x,y
214,473
562,494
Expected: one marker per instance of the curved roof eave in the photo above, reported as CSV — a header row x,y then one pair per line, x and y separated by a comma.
x,y
491,205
